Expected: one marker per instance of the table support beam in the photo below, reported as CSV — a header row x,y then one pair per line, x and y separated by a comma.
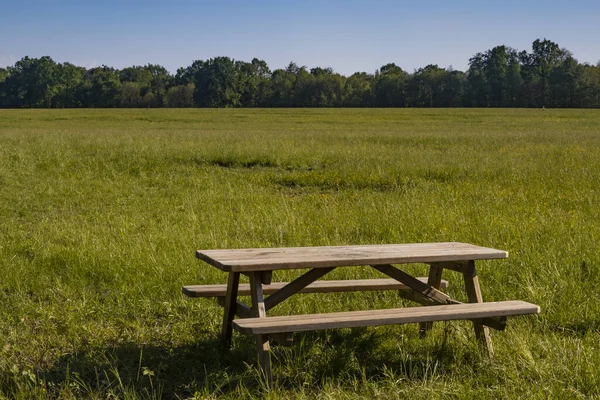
x,y
266,276
264,359
434,280
429,293
230,306
295,286
482,332
262,341
426,295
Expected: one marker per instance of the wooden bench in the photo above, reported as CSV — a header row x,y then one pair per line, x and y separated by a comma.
x,y
394,316
325,286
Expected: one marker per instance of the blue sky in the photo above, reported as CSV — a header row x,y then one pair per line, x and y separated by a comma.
x,y
348,36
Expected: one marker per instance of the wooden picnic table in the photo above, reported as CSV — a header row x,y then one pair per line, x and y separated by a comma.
x,y
260,263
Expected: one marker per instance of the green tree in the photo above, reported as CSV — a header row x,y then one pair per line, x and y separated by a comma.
x,y
496,71
318,71
499,77
130,95
359,88
186,75
301,92
69,78
31,82
152,81
252,82
589,86
100,87
454,88
285,84
161,80
180,96
320,88
494,78
564,83
263,76
514,81
136,74
428,86
281,87
390,86
3,74
477,82
537,67
216,81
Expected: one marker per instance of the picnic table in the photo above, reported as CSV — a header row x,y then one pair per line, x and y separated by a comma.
x,y
260,263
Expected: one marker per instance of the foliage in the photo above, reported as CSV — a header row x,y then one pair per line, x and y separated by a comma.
x,y
100,87
548,76
180,96
31,82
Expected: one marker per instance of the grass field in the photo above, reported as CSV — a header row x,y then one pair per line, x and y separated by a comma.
x,y
101,212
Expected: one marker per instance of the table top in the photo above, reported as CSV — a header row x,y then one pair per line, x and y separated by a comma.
x,y
268,259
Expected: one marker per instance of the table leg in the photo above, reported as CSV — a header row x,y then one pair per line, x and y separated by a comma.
x,y
434,280
266,276
474,295
230,306
258,309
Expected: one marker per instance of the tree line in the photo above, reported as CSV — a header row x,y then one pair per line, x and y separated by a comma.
x,y
547,76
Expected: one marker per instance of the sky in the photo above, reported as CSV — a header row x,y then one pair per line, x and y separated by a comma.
x,y
348,36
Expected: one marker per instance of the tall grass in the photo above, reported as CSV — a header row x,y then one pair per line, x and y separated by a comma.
x,y
101,212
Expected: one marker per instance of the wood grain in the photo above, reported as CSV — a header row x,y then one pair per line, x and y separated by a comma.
x,y
434,280
268,259
353,319
230,306
324,286
259,311
473,290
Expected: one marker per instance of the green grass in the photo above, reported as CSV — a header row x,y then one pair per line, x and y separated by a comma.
x,y
101,212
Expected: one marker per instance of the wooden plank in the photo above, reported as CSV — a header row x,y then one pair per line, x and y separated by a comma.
x,y
418,286
322,286
434,280
264,358
267,259
230,306
295,286
266,276
482,332
262,340
353,319
256,293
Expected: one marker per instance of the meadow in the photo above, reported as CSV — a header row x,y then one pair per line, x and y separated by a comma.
x,y
101,212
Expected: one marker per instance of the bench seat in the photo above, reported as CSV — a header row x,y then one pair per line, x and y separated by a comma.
x,y
323,286
353,319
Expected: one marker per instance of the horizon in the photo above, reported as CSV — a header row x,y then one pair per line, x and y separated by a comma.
x,y
348,37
